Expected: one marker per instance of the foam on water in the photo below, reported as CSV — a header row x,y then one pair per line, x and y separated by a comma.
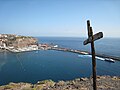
x,y
84,56
100,58
91,56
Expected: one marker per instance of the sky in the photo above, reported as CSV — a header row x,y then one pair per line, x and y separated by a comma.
x,y
62,18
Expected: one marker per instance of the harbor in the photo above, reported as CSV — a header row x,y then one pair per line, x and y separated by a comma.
x,y
57,48
52,60
16,44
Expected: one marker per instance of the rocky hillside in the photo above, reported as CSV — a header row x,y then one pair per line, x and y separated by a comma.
x,y
16,41
103,83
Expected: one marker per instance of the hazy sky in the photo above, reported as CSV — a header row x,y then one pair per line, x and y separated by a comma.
x,y
59,17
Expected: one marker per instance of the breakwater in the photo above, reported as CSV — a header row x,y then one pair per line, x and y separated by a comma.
x,y
83,52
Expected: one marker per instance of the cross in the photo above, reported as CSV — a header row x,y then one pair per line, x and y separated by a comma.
x,y
91,39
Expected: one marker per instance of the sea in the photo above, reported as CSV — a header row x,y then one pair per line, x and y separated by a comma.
x,y
34,66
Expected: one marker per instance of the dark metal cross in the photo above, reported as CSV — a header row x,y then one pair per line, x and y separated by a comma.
x,y
91,39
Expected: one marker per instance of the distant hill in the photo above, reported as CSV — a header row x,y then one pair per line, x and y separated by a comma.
x,y
16,41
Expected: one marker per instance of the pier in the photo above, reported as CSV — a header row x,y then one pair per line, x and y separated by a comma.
x,y
70,50
83,52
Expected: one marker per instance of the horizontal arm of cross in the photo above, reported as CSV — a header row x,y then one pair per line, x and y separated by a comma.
x,y
95,37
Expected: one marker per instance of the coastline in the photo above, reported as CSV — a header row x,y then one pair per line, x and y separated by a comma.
x,y
17,43
2,50
55,47
103,83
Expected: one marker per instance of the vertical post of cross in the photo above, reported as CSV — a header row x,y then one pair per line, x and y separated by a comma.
x,y
90,34
91,39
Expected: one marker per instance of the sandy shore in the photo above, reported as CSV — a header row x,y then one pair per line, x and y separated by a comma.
x,y
103,83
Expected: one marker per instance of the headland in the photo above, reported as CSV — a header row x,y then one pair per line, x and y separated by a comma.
x,y
17,43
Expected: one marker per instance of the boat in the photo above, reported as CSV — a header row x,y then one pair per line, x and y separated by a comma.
x,y
109,60
55,46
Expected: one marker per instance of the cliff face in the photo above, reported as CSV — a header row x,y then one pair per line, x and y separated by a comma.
x,y
16,41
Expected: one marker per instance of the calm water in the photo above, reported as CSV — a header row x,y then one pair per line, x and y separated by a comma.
x,y
57,65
